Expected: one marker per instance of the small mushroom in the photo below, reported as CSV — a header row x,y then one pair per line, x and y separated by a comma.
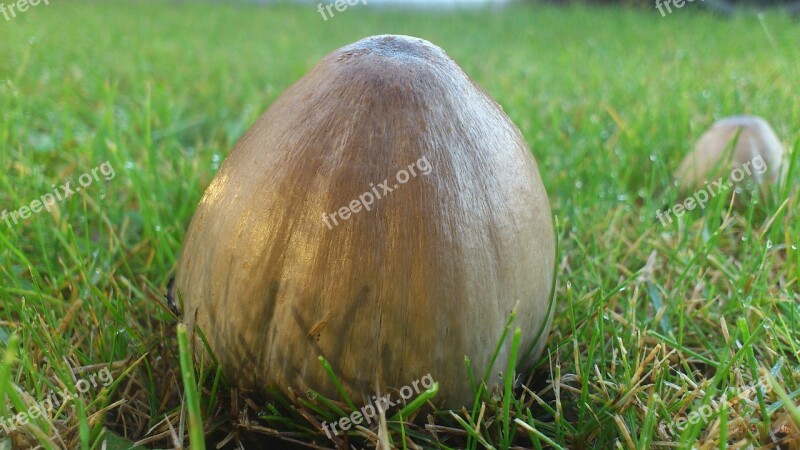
x,y
747,143
383,213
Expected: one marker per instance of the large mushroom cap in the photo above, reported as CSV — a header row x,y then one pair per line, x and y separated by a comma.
x,y
746,142
408,285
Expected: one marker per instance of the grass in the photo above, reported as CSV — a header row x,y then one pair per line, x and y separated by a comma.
x,y
654,323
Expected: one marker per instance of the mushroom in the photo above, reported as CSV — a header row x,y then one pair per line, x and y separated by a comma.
x,y
383,213
757,154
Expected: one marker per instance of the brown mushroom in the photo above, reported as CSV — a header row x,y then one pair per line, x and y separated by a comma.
x,y
309,242
747,143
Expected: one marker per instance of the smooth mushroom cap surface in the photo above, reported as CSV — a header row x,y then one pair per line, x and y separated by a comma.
x,y
756,149
428,275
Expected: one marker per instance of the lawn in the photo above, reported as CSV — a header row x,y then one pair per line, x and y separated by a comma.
x,y
665,335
